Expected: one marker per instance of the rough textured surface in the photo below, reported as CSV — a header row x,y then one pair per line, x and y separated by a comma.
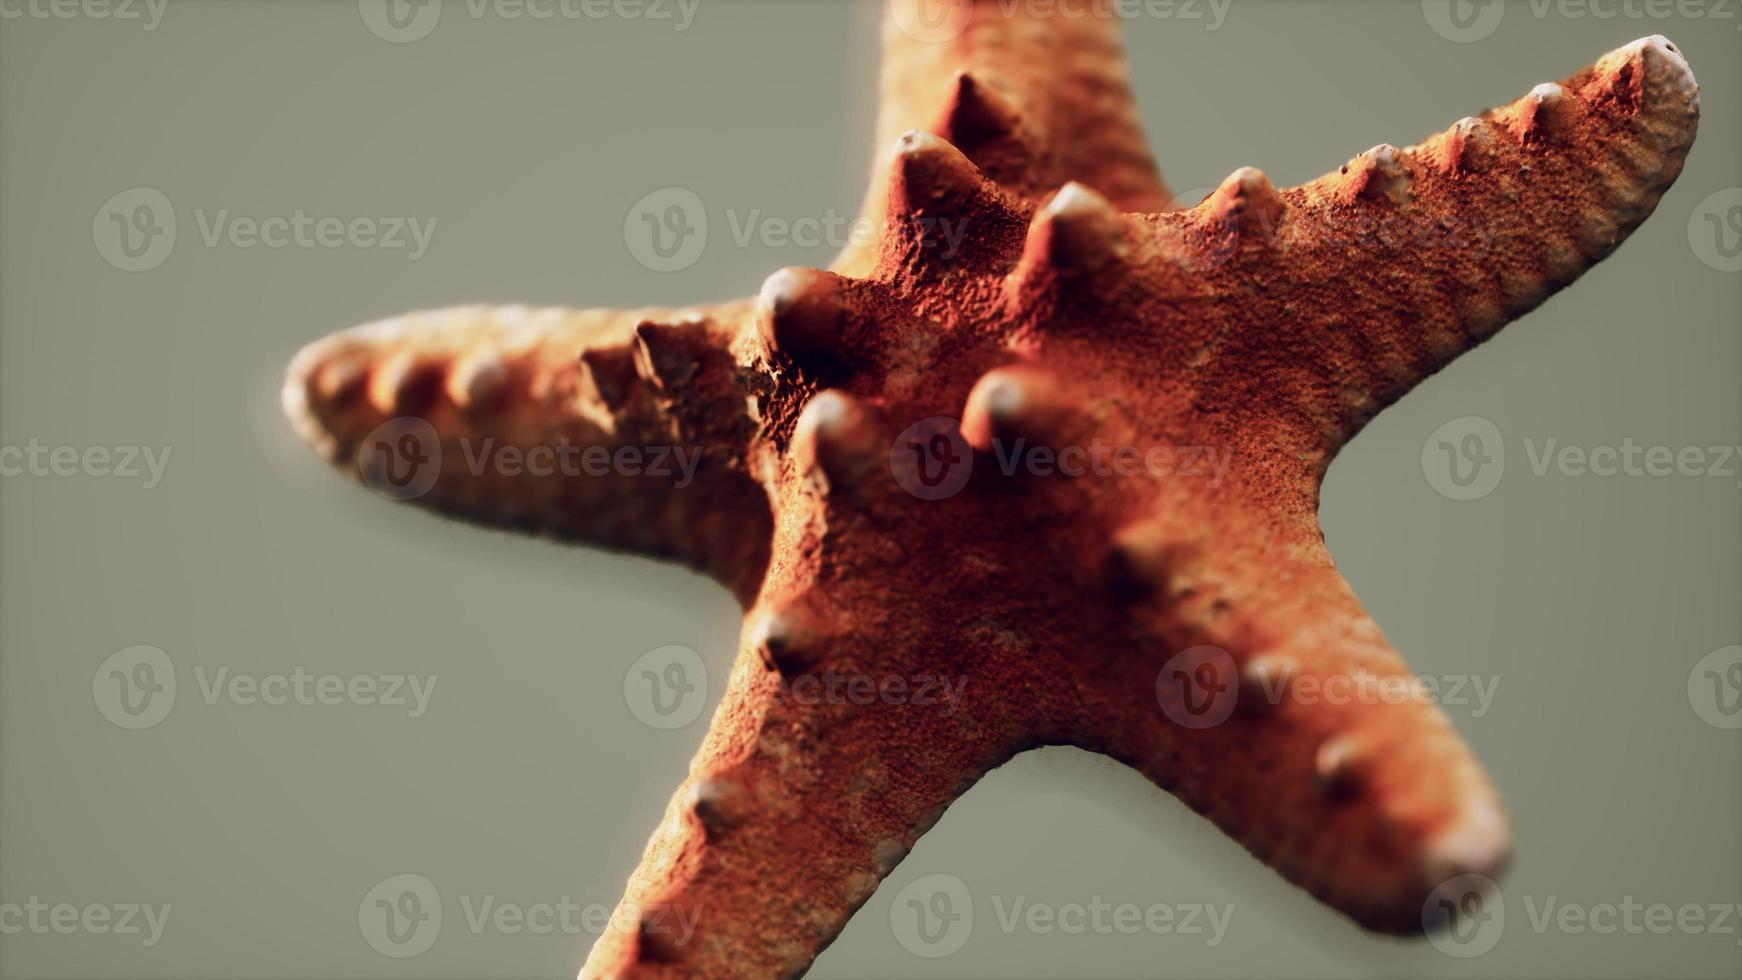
x,y
1264,326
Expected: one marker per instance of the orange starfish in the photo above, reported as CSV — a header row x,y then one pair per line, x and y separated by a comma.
x,y
1055,555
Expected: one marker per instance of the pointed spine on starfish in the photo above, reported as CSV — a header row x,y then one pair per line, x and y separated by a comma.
x,y
788,638
979,114
719,803
1264,680
656,938
931,177
1546,113
1339,767
1077,234
802,316
1016,402
609,379
835,442
405,383
667,355
475,381
943,213
1145,561
1378,175
1466,148
1246,204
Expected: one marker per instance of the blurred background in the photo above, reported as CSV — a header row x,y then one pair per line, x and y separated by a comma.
x,y
1583,628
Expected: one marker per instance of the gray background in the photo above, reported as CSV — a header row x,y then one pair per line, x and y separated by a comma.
x,y
530,777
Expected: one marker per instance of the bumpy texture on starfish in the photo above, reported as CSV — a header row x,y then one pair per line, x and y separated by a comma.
x,y
1077,310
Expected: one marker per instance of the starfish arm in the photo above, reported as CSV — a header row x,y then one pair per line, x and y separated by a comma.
x,y
972,79
1355,287
804,796
623,428
1282,713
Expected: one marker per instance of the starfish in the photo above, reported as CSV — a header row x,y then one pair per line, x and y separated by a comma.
x,y
886,483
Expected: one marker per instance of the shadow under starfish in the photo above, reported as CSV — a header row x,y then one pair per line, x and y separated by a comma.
x,y
1066,308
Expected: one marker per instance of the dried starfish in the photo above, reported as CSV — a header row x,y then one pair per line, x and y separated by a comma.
x,y
1079,311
